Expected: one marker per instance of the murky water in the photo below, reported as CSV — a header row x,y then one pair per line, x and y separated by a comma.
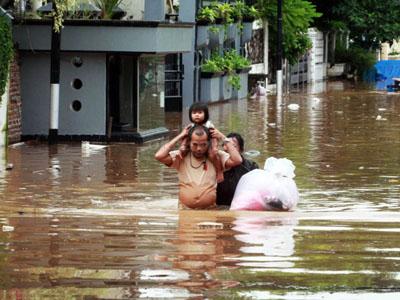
x,y
85,221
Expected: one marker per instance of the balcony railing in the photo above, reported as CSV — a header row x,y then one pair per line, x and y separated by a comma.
x,y
130,10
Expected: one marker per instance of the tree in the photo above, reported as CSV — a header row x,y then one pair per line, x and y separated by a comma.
x,y
6,52
297,16
370,22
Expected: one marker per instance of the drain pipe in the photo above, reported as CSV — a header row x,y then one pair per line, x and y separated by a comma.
x,y
196,79
54,82
279,52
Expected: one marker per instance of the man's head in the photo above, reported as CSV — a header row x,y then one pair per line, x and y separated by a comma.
x,y
237,141
199,141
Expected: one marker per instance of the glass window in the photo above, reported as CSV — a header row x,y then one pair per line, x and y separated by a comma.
x,y
151,92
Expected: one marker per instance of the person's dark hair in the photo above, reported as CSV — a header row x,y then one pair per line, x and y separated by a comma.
x,y
199,106
199,130
239,138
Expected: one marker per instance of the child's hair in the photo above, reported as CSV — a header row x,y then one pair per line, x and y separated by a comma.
x,y
199,106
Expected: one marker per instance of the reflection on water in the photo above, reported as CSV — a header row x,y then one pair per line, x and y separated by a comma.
x,y
89,221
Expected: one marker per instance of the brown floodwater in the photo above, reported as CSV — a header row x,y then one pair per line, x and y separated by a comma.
x,y
100,221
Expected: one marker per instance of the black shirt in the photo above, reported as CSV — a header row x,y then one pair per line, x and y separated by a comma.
x,y
226,189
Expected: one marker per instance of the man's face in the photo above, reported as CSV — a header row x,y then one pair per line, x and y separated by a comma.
x,y
199,145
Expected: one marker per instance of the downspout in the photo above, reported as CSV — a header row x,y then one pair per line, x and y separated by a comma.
x,y
4,116
196,80
279,52
54,81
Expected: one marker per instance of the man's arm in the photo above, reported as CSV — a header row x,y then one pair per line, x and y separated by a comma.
x,y
235,158
162,155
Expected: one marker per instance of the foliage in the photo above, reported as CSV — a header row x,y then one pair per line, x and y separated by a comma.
x,y
68,9
213,65
239,9
236,61
107,7
328,21
227,12
59,13
251,12
370,21
358,59
6,52
230,62
207,14
224,11
297,16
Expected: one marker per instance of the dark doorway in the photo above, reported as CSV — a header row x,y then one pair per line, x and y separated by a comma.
x,y
121,94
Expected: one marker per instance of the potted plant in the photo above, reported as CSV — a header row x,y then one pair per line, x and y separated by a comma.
x,y
109,9
211,72
250,14
239,67
208,31
226,14
212,67
206,15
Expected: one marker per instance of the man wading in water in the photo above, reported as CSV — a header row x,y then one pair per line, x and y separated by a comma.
x,y
197,175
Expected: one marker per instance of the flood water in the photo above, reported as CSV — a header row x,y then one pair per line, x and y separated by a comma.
x,y
90,221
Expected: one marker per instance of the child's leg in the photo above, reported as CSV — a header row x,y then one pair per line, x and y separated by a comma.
x,y
216,160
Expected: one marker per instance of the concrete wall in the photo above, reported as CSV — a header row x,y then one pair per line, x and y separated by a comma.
x,y
209,90
14,104
311,67
164,38
316,61
35,83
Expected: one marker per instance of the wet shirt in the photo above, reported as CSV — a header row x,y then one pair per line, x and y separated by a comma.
x,y
197,179
226,189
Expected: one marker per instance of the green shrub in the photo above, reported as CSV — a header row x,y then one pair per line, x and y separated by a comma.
x,y
358,59
229,63
207,14
6,52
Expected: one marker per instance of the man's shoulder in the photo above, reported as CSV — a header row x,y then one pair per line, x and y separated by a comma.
x,y
249,164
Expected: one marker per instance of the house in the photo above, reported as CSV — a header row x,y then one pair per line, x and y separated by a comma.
x,y
113,73
118,77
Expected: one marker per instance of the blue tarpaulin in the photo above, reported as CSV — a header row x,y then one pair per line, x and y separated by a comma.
x,y
386,70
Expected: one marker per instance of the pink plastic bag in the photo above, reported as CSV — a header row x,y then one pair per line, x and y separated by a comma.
x,y
270,189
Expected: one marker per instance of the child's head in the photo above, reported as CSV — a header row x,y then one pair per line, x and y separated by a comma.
x,y
198,113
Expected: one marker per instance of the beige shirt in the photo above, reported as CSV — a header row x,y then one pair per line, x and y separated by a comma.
x,y
197,179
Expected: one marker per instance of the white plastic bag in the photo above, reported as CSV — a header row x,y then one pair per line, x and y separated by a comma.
x,y
270,189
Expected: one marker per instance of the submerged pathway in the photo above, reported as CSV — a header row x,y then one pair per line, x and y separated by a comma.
x,y
101,222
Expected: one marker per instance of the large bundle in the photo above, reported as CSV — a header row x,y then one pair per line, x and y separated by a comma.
x,y
270,189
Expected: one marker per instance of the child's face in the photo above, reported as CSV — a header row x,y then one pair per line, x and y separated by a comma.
x,y
198,116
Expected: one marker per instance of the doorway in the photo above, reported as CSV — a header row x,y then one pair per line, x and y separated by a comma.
x,y
121,94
